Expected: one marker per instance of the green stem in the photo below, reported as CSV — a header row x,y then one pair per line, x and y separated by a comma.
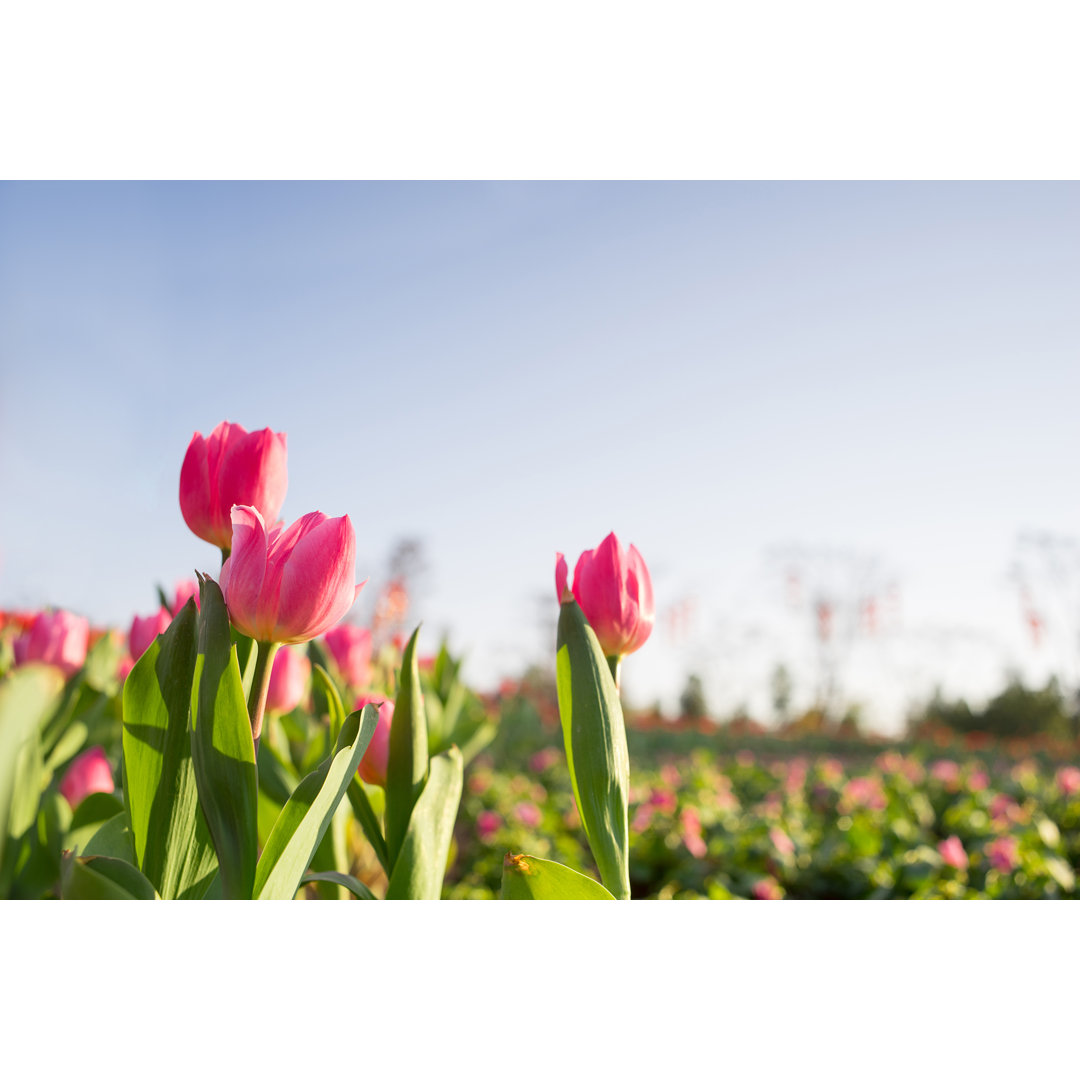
x,y
615,664
224,555
260,685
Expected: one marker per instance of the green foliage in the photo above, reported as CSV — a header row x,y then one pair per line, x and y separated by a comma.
x,y
526,877
407,766
173,846
595,741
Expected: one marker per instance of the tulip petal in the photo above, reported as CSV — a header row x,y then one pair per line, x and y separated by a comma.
x,y
316,583
244,571
561,574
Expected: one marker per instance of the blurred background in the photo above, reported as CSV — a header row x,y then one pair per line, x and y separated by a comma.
x,y
838,420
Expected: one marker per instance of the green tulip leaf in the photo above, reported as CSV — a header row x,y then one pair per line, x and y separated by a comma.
x,y
346,881
89,816
595,740
113,838
334,707
369,821
173,847
421,864
306,816
407,764
27,697
98,877
526,877
222,748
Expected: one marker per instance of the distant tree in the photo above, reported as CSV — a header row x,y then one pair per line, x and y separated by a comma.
x,y
1018,711
692,699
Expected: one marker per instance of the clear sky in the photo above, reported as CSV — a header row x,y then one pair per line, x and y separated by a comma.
x,y
721,373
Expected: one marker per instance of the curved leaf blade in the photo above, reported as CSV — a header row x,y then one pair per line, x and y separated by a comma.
x,y
421,864
173,847
526,877
346,881
27,697
98,877
407,764
306,816
222,748
595,740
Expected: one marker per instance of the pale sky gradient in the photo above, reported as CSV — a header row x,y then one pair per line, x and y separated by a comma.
x,y
715,371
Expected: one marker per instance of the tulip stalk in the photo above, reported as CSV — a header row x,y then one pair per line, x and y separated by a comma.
x,y
260,685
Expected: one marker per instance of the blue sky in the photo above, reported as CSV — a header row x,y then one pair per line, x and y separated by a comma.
x,y
714,371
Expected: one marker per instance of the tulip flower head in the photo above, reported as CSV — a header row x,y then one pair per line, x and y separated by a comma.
x,y
55,637
952,853
350,646
289,585
231,467
372,768
144,630
614,591
88,773
288,681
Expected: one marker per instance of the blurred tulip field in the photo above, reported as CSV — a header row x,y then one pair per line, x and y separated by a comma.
x,y
714,813
248,741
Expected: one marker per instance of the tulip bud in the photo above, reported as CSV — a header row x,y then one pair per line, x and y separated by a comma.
x,y
143,631
288,681
88,773
350,646
373,764
55,637
614,590
185,590
231,467
289,585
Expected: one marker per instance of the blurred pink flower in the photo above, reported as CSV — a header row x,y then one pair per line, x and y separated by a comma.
x,y
479,782
952,852
1005,809
144,631
288,680
767,889
185,590
1068,779
946,772
978,781
55,637
1004,853
670,775
350,648
691,833
528,814
88,773
663,800
863,791
781,841
831,770
373,764
488,824
544,759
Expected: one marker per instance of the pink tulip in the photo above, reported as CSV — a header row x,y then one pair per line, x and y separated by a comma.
x,y
781,841
952,852
1068,779
372,768
691,833
487,824
528,814
88,773
288,680
614,590
55,637
767,889
232,467
185,590
289,585
1004,853
350,646
143,631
